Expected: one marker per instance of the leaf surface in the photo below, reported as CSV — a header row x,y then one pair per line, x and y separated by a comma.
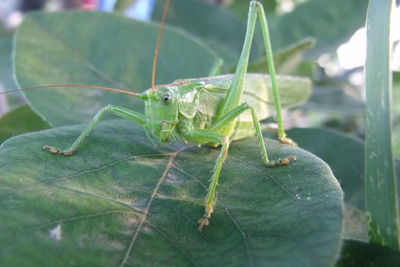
x,y
20,120
345,155
98,49
120,198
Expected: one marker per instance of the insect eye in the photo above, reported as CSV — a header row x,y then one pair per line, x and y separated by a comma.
x,y
166,97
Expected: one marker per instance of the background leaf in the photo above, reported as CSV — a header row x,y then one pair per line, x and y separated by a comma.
x,y
88,208
6,74
218,27
287,61
357,253
345,155
20,120
241,8
331,147
332,98
98,49
329,22
7,81
122,5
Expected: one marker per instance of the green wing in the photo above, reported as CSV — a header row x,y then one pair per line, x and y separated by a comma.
x,y
257,93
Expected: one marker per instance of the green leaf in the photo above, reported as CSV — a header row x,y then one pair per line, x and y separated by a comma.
x,y
345,155
380,178
93,48
6,74
330,22
218,27
287,61
122,5
331,97
7,81
119,197
331,146
20,120
357,253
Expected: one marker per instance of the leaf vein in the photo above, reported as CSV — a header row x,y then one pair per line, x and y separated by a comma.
x,y
147,208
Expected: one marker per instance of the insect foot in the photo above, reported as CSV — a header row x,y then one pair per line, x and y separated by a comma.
x,y
287,141
55,151
205,220
281,162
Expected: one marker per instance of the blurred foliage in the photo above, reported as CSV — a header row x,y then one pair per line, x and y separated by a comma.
x,y
20,120
241,8
121,5
356,253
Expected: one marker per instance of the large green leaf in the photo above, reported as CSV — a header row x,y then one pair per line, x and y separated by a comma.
x,y
345,155
20,120
98,49
120,198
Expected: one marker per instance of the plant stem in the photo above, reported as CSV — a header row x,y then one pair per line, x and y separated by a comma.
x,y
380,178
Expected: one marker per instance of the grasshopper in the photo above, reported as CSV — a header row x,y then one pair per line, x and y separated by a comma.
x,y
211,111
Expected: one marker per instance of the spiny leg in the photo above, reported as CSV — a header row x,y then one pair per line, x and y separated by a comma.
x,y
230,116
212,189
119,111
271,67
220,124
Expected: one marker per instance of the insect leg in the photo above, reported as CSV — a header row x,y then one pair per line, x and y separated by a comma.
x,y
220,124
202,136
209,202
270,60
119,111
225,120
234,96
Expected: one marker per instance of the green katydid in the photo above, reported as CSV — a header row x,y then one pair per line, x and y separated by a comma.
x,y
212,111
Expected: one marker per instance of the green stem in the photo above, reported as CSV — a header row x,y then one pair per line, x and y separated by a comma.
x,y
380,178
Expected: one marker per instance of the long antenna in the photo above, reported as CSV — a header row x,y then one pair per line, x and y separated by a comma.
x,y
160,32
71,85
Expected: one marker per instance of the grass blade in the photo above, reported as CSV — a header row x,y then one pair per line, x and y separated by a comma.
x,y
380,182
